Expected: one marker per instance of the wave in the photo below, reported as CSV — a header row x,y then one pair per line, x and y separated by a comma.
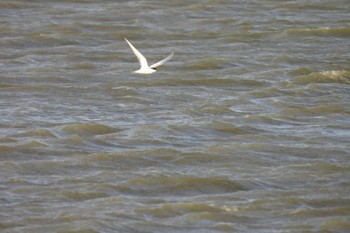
x,y
228,128
187,80
209,64
43,133
326,31
181,185
334,76
4,148
89,129
12,5
5,85
179,208
315,111
31,144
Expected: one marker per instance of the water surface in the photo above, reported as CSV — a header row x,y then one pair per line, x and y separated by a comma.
x,y
246,129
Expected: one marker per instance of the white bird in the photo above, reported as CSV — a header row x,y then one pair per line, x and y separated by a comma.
x,y
145,69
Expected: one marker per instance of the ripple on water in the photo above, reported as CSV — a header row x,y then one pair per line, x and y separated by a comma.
x,y
338,32
88,129
181,186
334,76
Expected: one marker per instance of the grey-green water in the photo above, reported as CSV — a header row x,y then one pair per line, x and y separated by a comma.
x,y
246,129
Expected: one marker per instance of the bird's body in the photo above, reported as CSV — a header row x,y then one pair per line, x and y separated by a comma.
x,y
145,68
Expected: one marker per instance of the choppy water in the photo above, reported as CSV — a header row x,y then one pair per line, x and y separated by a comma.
x,y
247,129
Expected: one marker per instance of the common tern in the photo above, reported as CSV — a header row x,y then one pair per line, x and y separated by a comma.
x,y
145,69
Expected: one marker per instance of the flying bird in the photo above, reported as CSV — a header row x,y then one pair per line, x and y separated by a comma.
x,y
145,68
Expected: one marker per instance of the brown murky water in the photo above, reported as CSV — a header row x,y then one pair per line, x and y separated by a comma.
x,y
246,129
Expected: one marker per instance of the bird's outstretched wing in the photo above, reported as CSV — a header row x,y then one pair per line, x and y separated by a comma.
x,y
162,61
140,57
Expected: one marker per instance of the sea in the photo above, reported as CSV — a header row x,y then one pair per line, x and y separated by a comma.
x,y
245,129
